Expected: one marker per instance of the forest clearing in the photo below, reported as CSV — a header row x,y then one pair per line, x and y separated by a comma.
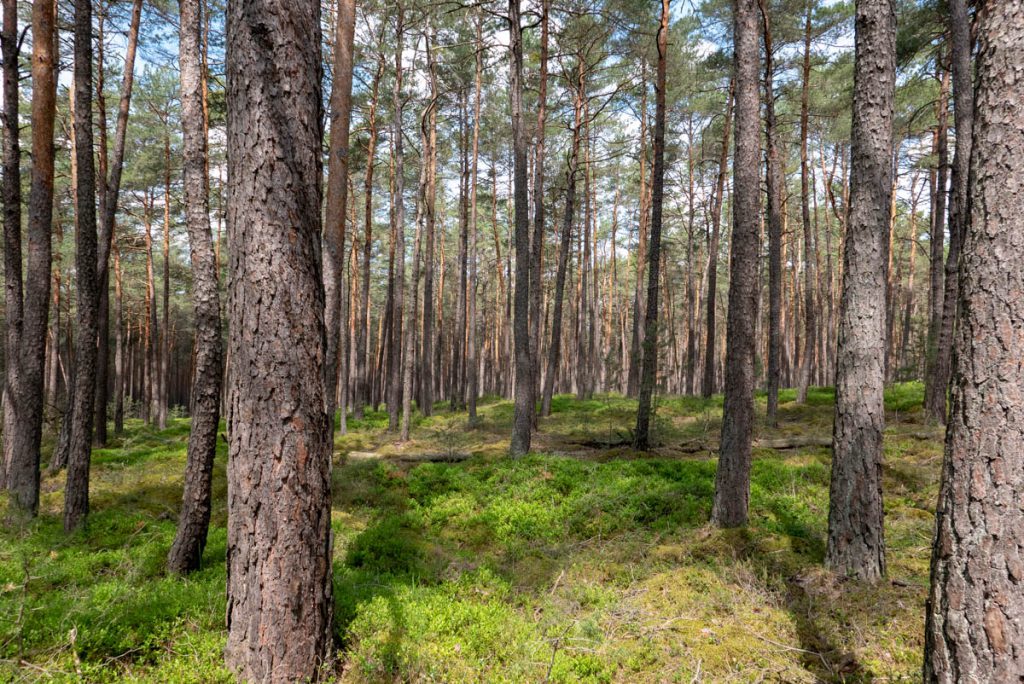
x,y
581,563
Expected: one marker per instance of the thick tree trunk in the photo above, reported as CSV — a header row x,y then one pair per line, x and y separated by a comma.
x,y
775,186
649,372
856,544
522,422
207,366
337,201
76,490
23,428
963,120
732,482
279,455
708,381
975,615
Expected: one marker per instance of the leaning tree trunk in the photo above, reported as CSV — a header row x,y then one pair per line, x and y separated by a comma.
x,y
856,544
522,422
279,456
76,490
963,118
649,370
975,616
732,482
208,366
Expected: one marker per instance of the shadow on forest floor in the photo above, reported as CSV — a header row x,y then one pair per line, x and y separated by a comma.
x,y
582,562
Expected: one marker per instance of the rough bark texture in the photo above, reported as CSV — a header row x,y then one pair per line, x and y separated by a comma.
x,y
975,616
810,258
856,545
963,120
649,371
537,240
732,481
522,422
935,383
394,371
23,427
280,600
337,200
194,520
76,490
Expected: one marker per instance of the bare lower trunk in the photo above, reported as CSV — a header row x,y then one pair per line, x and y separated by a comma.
x,y
775,186
280,600
732,482
208,368
975,613
856,545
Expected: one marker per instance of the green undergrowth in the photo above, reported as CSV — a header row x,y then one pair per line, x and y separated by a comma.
x,y
582,562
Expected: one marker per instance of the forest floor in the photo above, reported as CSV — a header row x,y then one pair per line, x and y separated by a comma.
x,y
586,562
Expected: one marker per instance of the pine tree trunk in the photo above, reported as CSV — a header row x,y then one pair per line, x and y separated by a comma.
x,y
427,370
280,600
649,371
337,201
522,422
732,482
807,360
207,367
472,364
963,120
394,370
76,490
975,615
856,545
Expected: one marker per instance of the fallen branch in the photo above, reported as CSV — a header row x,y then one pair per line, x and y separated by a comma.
x,y
797,442
453,457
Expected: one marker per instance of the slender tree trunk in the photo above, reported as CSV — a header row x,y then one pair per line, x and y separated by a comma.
x,y
963,120
648,375
636,341
280,601
394,398
810,258
362,379
936,381
426,400
565,244
856,545
473,382
207,366
522,422
337,202
732,482
76,490
109,187
775,186
708,381
537,241
118,343
975,612
165,340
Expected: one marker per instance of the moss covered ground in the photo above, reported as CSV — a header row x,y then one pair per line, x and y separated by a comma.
x,y
583,562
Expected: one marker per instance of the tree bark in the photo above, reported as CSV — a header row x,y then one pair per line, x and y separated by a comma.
x,y
807,360
537,240
856,544
649,372
280,600
472,364
76,490
975,615
427,371
23,428
207,366
394,374
963,120
732,481
337,201
522,422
